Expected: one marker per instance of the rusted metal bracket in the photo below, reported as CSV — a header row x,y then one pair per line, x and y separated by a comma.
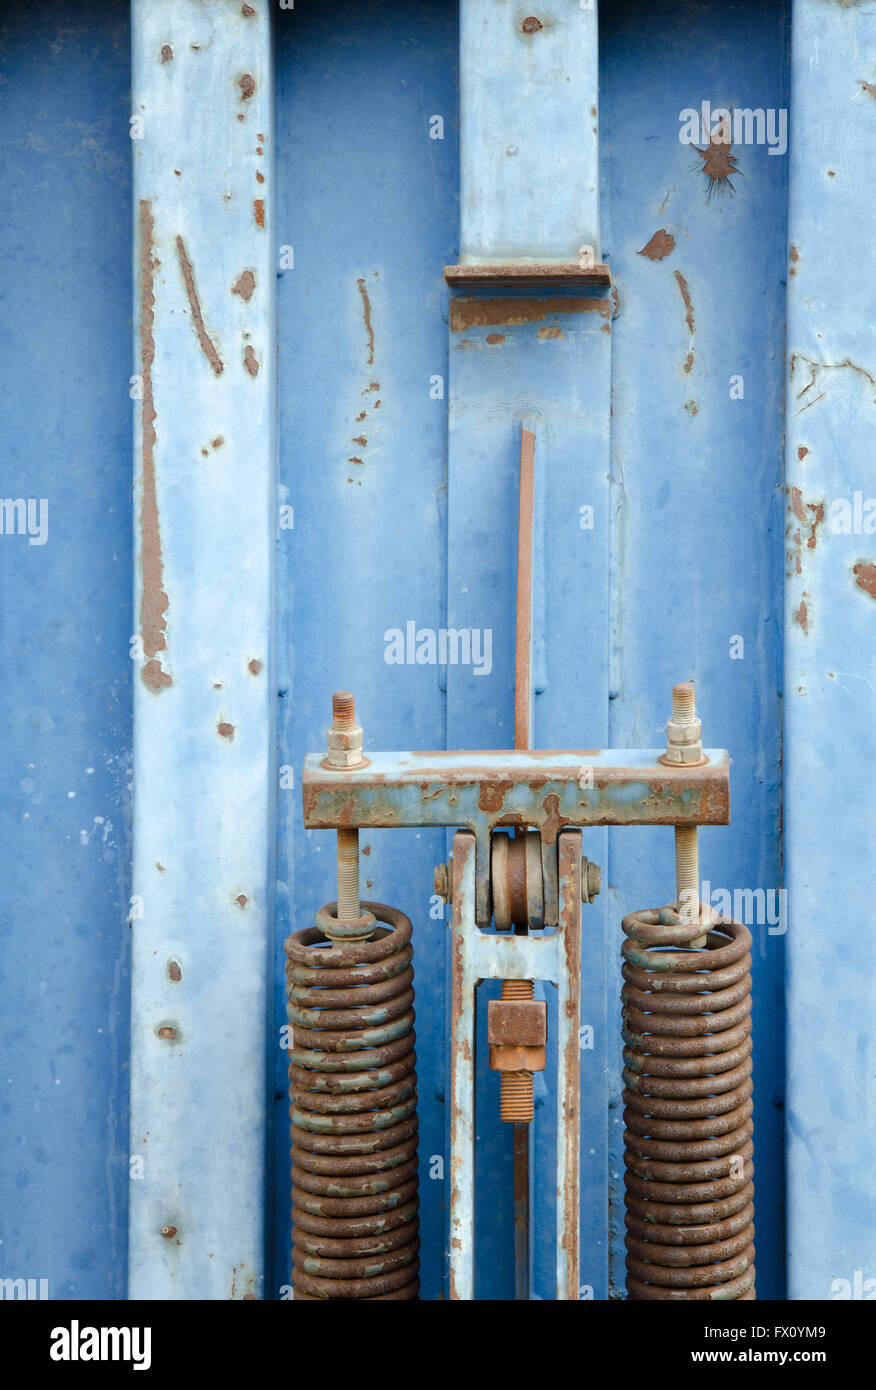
x,y
555,959
547,791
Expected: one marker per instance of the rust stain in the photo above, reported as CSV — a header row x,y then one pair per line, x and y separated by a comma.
x,y
250,361
802,452
718,162
168,1034
815,368
247,11
551,330
355,460
865,577
366,314
247,85
483,313
800,508
491,795
254,666
153,599
494,339
225,730
174,972
531,25
661,245
166,53
688,318
801,617
869,87
208,347
691,407
260,178
242,899
258,209
168,1232
360,440
244,285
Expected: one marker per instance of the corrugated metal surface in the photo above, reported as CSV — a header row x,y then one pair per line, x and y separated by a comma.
x,y
398,471
204,701
697,475
830,620
65,625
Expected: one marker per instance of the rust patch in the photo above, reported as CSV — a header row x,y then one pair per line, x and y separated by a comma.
x,y
360,440
225,730
718,162
254,666
494,339
483,313
166,53
250,361
865,577
208,347
491,795
661,245
168,1232
531,25
247,11
801,508
801,617
244,285
551,330
366,315
241,899
247,86
869,87
688,318
258,211
168,1034
260,178
153,599
817,367
173,971
802,452
691,407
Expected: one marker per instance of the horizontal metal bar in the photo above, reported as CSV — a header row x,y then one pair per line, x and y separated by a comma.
x,y
546,790
545,273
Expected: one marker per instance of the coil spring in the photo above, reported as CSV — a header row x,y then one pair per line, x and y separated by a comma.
x,y
353,1093
687,1078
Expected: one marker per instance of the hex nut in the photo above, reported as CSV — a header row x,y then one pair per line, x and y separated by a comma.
x,y
591,881
517,1022
443,881
344,746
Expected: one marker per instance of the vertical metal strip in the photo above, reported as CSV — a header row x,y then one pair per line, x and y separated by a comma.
x,y
568,1066
205,441
462,1072
528,88
830,652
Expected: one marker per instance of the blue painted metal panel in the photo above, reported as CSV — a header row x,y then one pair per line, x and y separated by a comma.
x,y
65,624
367,202
830,625
696,478
205,533
528,106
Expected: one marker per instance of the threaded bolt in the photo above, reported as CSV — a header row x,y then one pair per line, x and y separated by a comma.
x,y
344,718
516,1088
343,709
687,860
683,702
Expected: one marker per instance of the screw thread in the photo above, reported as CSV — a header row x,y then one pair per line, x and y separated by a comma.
x,y
683,702
517,989
516,1097
348,875
343,709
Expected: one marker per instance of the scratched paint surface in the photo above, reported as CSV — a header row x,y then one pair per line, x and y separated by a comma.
x,y
65,624
697,476
367,201
829,655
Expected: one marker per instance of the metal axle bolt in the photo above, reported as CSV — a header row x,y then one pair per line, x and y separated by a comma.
x,y
684,747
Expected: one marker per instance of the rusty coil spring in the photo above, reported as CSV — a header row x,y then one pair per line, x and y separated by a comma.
x,y
687,1078
353,1093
